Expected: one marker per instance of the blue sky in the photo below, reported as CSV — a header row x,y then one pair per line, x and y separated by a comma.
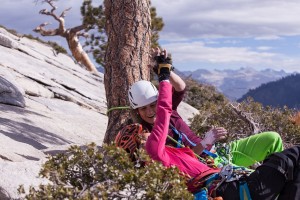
x,y
206,34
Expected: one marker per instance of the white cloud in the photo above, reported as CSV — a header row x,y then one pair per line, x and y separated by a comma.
x,y
187,55
229,18
233,33
263,48
246,24
197,51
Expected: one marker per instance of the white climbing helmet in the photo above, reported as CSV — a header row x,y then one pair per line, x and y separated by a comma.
x,y
142,93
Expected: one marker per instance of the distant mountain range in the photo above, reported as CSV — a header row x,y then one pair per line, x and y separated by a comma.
x,y
235,83
283,92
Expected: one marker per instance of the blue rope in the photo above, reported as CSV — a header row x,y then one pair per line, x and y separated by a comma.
x,y
244,191
213,155
180,134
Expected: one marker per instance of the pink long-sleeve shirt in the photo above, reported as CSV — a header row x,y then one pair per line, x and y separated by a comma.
x,y
177,122
183,158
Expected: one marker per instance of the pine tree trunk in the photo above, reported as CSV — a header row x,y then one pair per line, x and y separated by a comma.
x,y
127,56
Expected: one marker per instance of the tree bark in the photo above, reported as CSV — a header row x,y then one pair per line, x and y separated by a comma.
x,y
127,56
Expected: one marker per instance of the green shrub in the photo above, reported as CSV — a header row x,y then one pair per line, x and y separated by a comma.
x,y
216,110
107,173
58,49
265,118
198,95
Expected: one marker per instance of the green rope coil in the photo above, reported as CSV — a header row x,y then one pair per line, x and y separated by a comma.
x,y
117,108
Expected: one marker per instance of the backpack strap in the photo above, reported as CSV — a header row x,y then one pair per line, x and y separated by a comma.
x,y
288,173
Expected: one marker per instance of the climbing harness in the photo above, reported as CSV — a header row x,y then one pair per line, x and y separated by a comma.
x,y
207,186
228,173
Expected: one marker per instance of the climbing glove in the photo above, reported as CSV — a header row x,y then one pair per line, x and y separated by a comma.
x,y
163,67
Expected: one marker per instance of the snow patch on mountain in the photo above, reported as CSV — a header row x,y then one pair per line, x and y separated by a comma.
x,y
235,83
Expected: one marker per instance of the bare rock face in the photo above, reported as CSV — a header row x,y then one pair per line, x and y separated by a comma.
x,y
65,105
9,94
7,41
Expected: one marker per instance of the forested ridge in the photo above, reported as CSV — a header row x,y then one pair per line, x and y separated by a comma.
x,y
280,93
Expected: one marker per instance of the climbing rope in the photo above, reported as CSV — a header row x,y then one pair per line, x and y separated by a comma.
x,y
117,108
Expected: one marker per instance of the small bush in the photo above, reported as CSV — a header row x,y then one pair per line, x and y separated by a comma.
x,y
58,49
216,110
107,173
